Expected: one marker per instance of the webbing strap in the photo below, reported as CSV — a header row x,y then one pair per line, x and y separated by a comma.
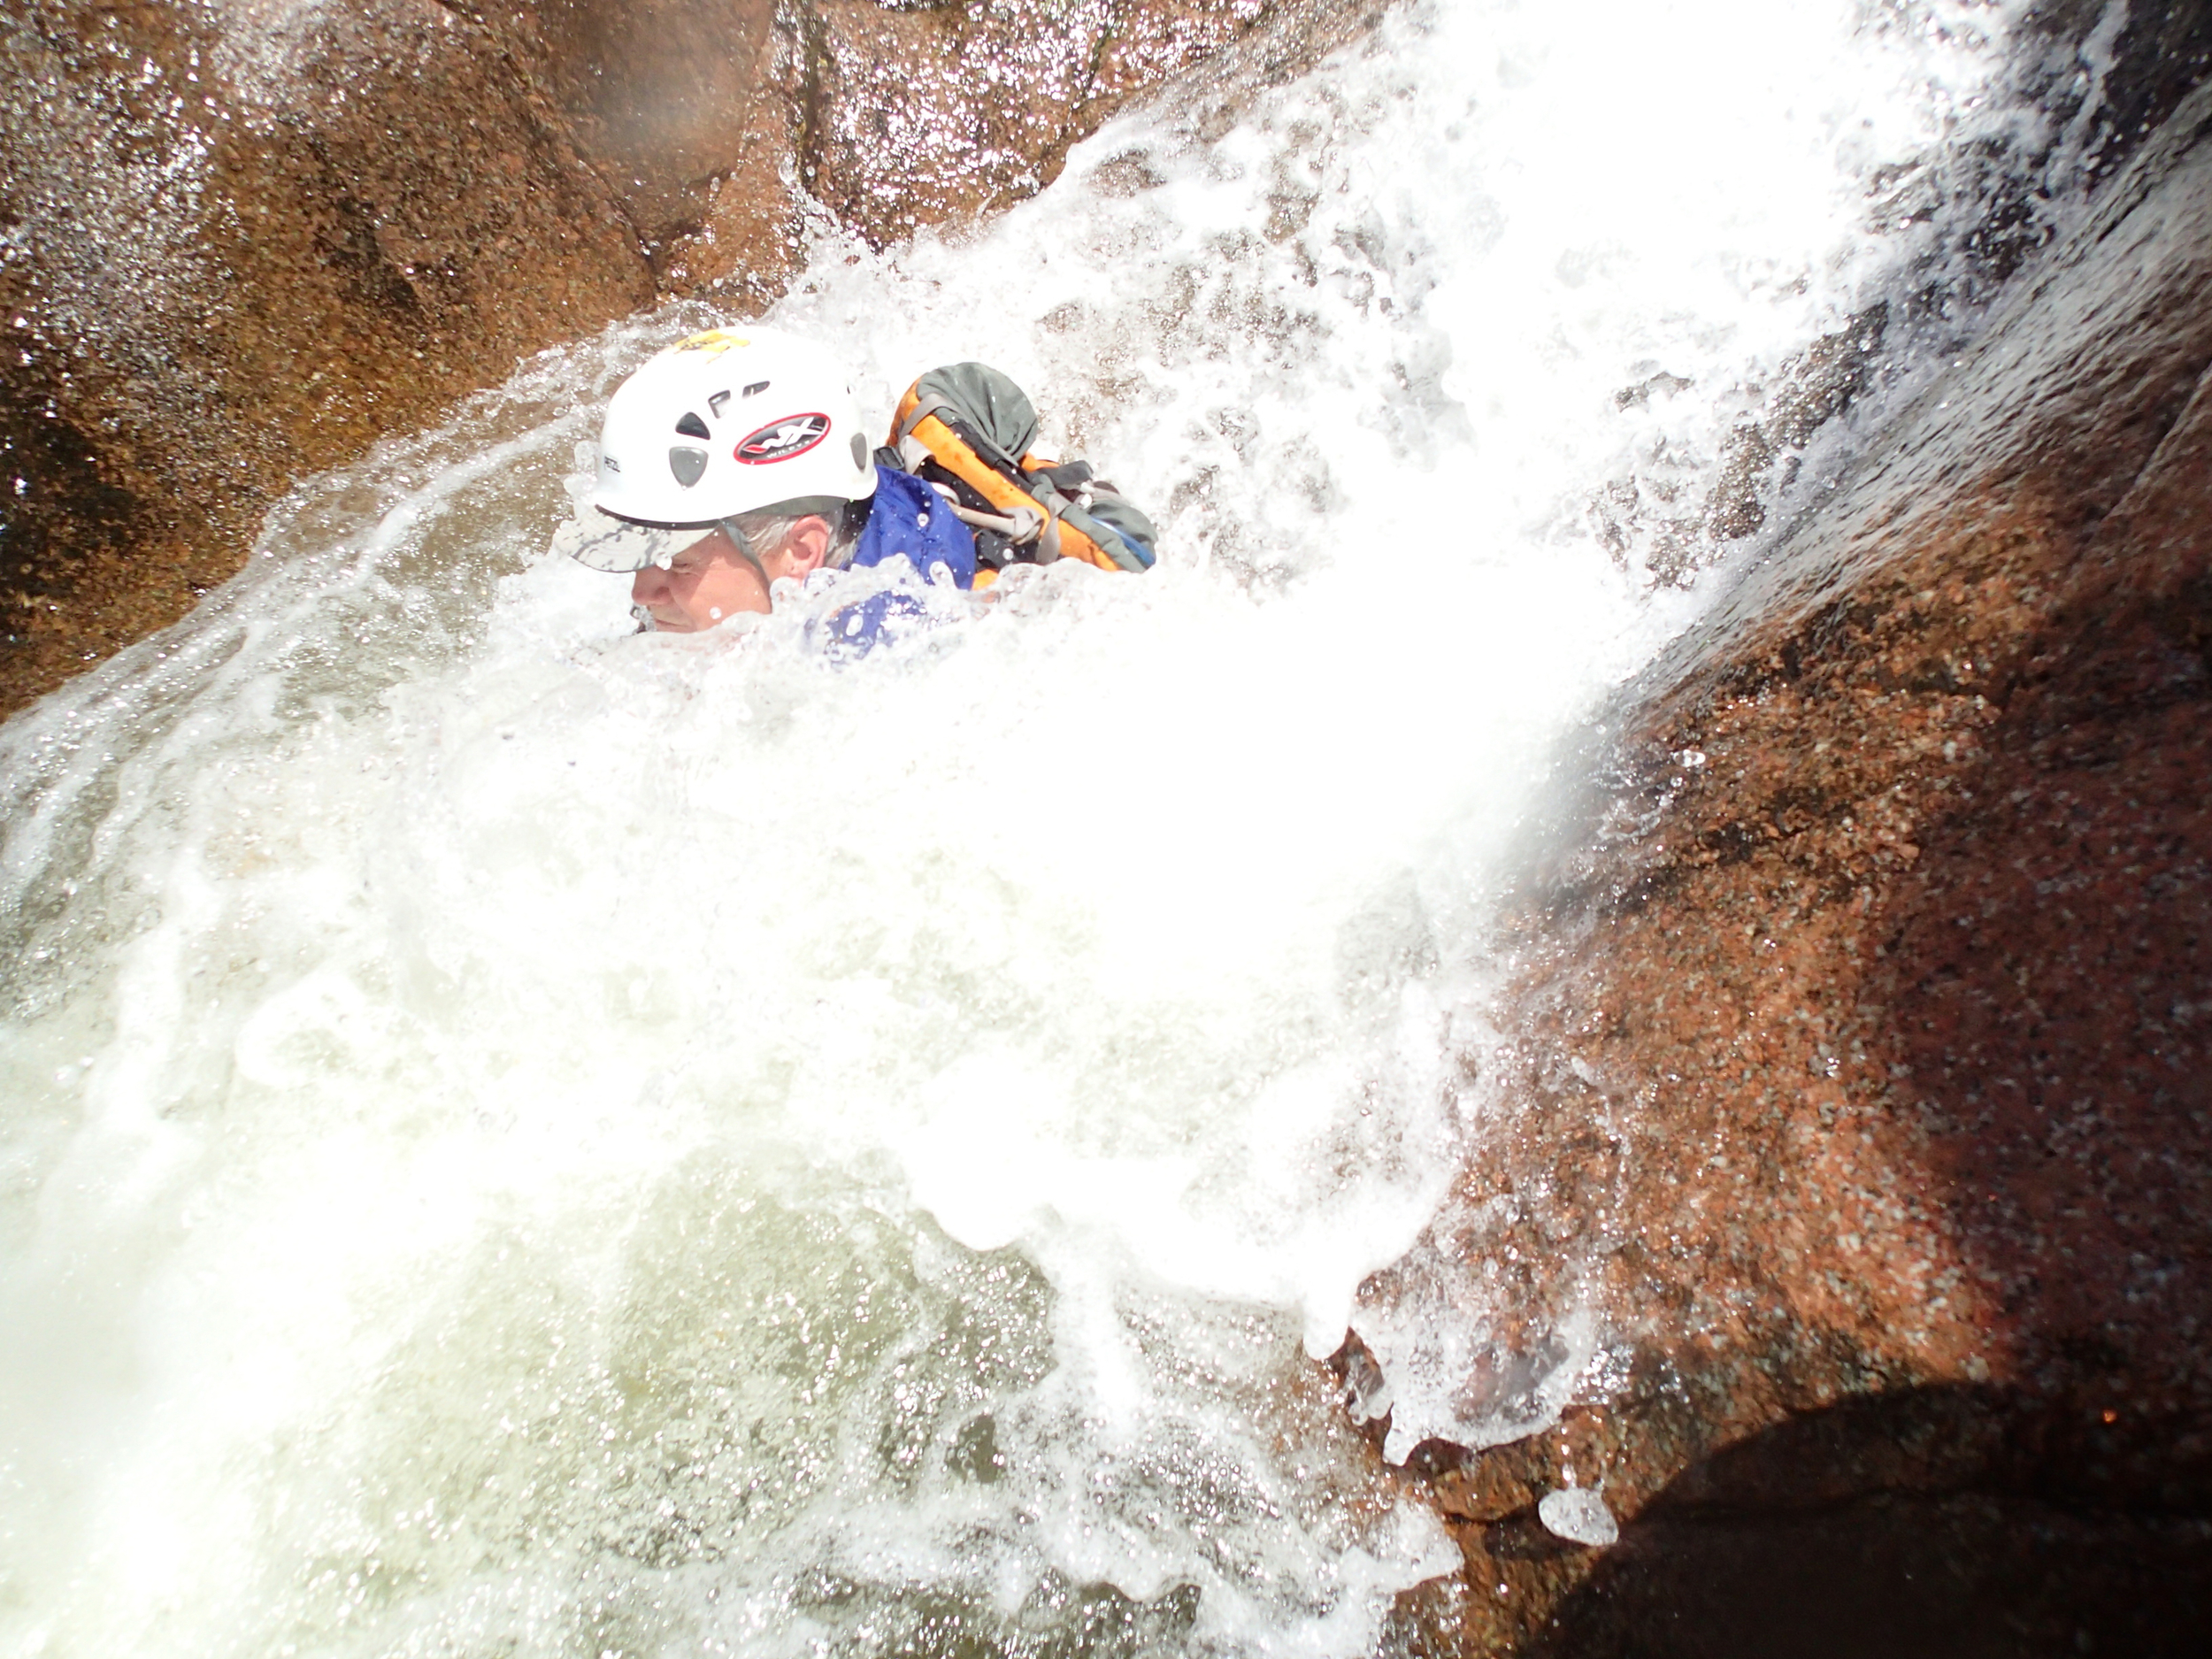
x,y
1039,487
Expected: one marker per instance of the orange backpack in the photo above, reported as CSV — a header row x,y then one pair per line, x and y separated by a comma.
x,y
966,429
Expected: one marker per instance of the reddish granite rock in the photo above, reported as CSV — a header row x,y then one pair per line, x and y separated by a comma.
x,y
1861,1088
239,243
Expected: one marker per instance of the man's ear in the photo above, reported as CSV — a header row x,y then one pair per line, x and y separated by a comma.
x,y
806,546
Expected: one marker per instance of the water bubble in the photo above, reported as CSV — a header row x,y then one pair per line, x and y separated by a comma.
x,y
1578,1515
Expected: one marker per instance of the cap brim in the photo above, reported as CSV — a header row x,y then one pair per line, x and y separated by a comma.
x,y
605,542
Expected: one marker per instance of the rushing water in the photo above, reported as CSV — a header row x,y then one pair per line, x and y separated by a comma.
x,y
526,1139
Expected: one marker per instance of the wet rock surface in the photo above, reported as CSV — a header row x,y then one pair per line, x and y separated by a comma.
x,y
1859,1097
240,239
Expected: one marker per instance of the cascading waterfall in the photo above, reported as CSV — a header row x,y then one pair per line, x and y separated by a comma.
x,y
522,1138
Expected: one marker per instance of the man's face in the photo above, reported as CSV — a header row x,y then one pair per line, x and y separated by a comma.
x,y
710,579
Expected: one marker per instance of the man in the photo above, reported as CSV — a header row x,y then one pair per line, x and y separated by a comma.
x,y
736,458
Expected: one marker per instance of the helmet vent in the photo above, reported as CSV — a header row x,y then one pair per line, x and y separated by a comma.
x,y
756,388
717,402
692,427
689,465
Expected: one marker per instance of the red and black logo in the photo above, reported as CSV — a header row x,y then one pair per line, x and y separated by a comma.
x,y
794,434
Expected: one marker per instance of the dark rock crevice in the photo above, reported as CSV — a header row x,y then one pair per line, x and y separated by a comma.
x,y
1932,1521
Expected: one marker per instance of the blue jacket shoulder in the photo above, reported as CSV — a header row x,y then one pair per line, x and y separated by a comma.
x,y
907,519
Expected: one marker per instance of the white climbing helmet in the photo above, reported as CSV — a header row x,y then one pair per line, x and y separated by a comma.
x,y
726,422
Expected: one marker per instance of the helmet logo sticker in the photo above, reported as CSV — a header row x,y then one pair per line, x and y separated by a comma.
x,y
780,439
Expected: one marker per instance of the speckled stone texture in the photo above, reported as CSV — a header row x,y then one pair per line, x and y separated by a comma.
x,y
242,239
1861,1092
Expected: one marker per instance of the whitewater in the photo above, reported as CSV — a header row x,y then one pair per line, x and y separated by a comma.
x,y
520,1137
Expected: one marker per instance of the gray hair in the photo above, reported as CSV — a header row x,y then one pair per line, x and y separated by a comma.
x,y
764,532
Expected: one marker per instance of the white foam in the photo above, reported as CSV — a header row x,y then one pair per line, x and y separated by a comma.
x,y
625,1143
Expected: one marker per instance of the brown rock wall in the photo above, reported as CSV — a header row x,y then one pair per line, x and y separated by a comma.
x,y
244,241
660,94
